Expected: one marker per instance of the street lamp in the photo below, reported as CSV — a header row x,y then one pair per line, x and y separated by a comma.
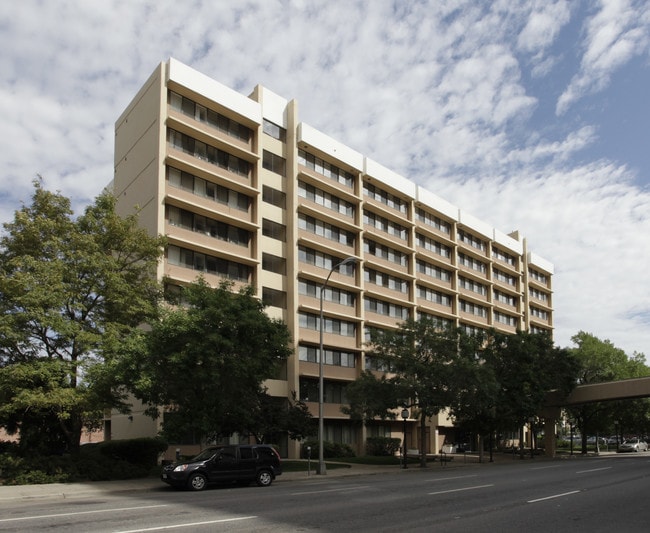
x,y
616,430
532,435
321,424
571,434
405,415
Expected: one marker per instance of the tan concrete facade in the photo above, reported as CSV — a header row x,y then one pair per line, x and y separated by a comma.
x,y
246,191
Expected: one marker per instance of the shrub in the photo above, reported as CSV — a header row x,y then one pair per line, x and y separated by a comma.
x,y
382,446
143,452
330,449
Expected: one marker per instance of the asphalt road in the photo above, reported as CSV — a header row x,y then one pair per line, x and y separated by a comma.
x,y
587,494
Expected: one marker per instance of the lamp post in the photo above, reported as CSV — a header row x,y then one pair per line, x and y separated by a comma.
x,y
405,415
321,425
571,434
616,430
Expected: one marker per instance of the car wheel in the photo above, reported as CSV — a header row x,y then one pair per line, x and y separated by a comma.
x,y
197,482
264,478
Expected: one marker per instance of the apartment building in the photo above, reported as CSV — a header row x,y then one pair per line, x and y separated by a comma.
x,y
247,192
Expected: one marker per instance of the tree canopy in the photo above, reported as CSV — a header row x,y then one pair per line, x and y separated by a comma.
x,y
71,289
204,362
600,361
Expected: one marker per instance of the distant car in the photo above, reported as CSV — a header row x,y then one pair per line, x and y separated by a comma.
x,y
592,440
222,464
633,445
613,440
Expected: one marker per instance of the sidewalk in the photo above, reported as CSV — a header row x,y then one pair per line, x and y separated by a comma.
x,y
97,488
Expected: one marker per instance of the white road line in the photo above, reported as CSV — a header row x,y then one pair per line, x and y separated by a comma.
x,y
546,467
191,524
593,470
455,477
459,490
344,489
554,496
39,517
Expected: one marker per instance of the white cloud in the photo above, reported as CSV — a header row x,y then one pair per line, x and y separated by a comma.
x,y
615,34
440,91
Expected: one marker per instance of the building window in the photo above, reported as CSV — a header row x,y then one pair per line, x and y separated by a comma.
x,y
326,169
537,294
330,294
471,240
473,309
323,229
274,163
208,264
538,276
385,225
384,252
273,263
439,322
433,221
209,153
470,285
503,256
384,197
433,246
274,197
330,325
275,230
433,271
504,298
333,391
275,131
208,116
386,280
274,298
330,357
503,277
508,320
325,261
207,226
434,296
539,313
207,189
325,199
470,262
386,308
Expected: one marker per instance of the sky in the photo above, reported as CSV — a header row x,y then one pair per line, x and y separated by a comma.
x,y
529,115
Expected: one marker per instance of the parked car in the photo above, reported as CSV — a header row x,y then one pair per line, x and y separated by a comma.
x,y
592,440
613,440
221,464
633,445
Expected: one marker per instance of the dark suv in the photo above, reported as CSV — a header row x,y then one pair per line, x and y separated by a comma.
x,y
220,464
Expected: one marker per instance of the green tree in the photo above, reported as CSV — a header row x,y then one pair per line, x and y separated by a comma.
x,y
205,361
71,290
425,361
600,361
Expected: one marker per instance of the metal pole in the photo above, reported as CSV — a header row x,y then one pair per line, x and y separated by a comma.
x,y
321,422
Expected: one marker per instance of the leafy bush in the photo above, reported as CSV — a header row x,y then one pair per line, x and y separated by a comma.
x,y
94,462
330,449
382,446
143,451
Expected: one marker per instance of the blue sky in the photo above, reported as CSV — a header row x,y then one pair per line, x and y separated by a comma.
x,y
529,115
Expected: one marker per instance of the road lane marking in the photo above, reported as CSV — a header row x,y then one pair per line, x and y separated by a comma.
x,y
554,496
545,467
40,517
459,490
455,477
191,524
593,470
343,489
